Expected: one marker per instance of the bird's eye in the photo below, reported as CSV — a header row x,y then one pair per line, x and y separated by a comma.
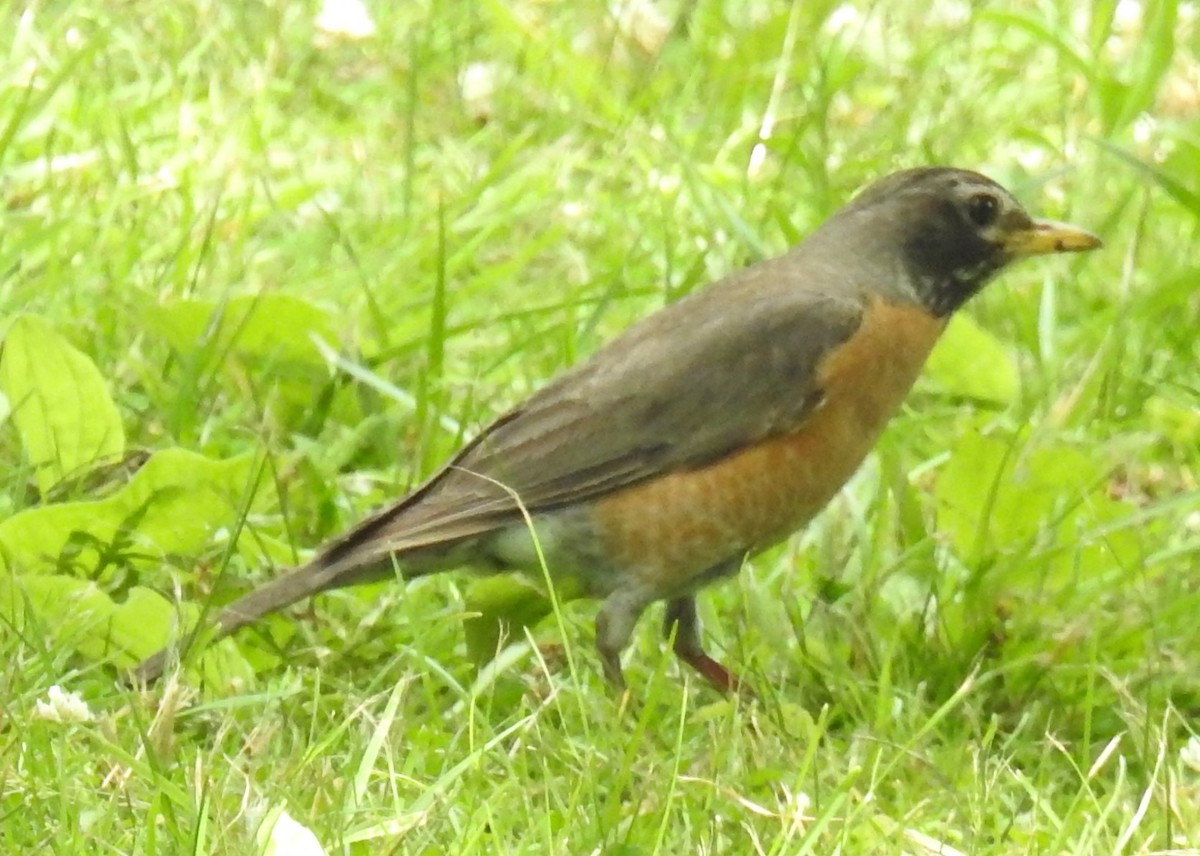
x,y
983,208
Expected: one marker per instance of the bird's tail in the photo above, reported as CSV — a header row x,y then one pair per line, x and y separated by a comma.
x,y
351,561
326,571
410,539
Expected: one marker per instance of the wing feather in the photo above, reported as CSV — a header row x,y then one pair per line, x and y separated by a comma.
x,y
722,368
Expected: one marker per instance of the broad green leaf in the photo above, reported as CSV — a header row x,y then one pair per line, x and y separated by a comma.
x,y
1174,419
176,504
994,494
1087,549
505,607
60,402
970,362
269,326
81,615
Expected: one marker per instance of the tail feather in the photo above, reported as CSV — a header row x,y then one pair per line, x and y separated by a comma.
x,y
317,576
321,574
408,538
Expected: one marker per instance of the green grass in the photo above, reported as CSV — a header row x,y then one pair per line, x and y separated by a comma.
x,y
987,642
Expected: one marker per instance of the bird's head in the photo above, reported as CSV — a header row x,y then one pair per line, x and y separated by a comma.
x,y
956,229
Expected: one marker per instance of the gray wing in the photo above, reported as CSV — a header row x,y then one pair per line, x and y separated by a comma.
x,y
734,363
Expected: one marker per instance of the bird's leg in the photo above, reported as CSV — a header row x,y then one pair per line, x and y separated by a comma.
x,y
682,622
614,625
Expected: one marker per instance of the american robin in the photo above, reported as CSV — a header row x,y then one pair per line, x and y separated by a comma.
x,y
708,431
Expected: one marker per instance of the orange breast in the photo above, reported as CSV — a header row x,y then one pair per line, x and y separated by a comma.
x,y
671,529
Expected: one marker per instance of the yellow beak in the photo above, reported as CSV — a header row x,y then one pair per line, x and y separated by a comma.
x,y
1049,236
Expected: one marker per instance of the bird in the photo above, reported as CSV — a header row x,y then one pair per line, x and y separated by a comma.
x,y
706,432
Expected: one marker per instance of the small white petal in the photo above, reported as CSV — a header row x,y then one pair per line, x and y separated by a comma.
x,y
478,83
1190,753
1144,127
1128,14
289,837
62,706
574,210
347,18
843,18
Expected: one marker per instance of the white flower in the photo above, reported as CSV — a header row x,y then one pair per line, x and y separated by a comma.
x,y
289,837
796,809
1144,127
477,82
844,18
347,18
1128,15
1190,753
62,706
